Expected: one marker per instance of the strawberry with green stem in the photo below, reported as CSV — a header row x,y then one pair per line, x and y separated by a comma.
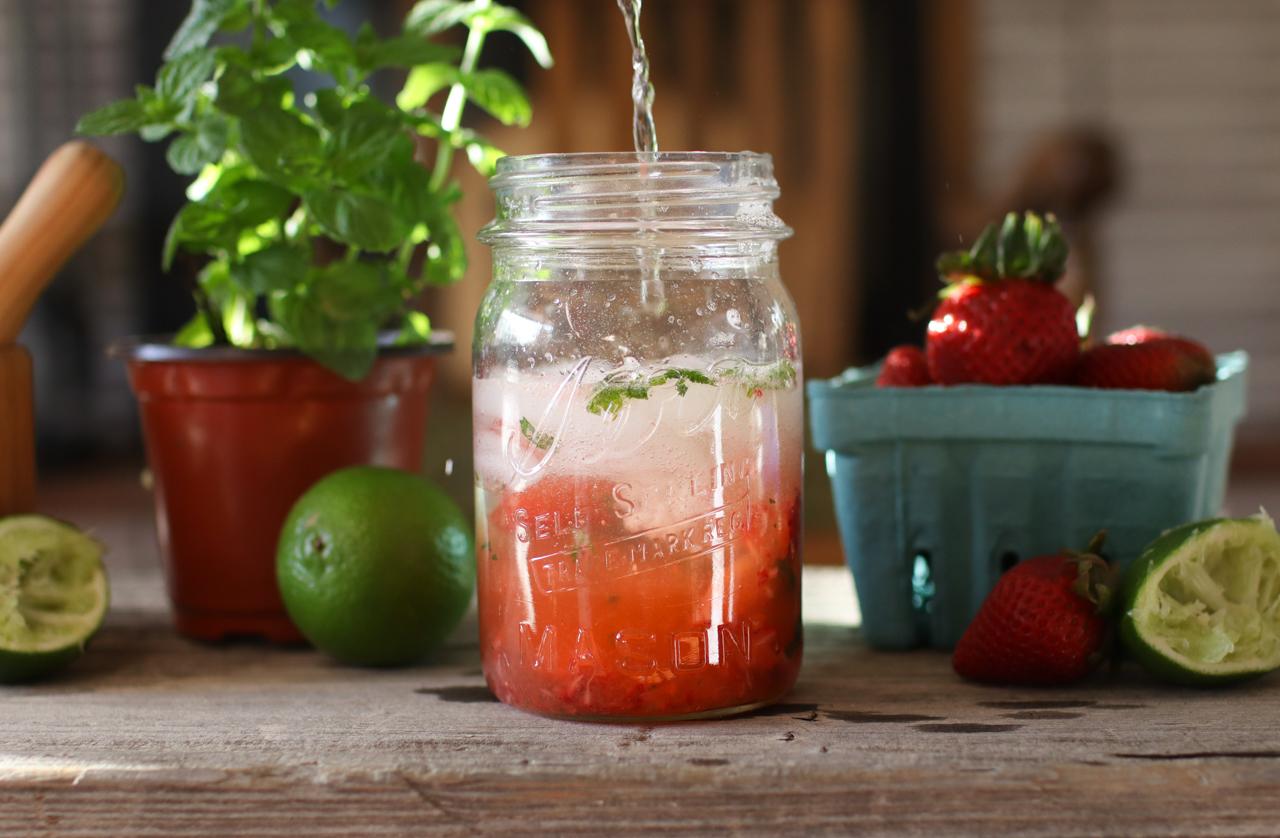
x,y
1047,621
1001,321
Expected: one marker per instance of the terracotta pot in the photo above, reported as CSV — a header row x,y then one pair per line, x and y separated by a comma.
x,y
234,437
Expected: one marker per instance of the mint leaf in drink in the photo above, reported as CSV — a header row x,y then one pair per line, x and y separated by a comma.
x,y
755,381
538,440
612,393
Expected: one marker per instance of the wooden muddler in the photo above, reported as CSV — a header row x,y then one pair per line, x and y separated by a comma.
x,y
71,196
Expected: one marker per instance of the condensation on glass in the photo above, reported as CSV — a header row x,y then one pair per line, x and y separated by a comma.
x,y
638,438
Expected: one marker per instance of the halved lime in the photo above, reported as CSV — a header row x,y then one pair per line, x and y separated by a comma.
x,y
1202,603
53,595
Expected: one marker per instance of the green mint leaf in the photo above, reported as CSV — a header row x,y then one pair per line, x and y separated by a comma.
x,y
373,53
189,154
274,55
529,432
242,94
279,267
446,254
354,291
180,79
280,144
360,220
611,393
327,44
288,12
253,202
484,157
756,380
416,329
185,155
428,17
424,82
195,334
506,19
205,18
215,223
367,133
348,347
123,117
201,228
500,95
155,133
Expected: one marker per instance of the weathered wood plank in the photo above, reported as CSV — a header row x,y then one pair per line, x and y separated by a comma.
x,y
152,735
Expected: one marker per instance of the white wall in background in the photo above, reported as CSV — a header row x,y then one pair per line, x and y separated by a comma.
x,y
1191,91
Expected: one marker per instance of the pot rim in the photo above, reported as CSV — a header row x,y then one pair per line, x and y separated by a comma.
x,y
157,348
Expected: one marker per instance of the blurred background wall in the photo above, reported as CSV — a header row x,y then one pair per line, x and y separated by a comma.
x,y
898,127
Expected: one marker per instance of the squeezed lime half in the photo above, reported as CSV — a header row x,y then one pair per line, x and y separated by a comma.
x,y
53,595
1202,603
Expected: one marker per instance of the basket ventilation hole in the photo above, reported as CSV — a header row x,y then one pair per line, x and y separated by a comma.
x,y
1007,560
922,587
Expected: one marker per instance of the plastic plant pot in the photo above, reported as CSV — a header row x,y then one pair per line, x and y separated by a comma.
x,y
234,437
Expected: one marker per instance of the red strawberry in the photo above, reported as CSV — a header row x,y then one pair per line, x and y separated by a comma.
x,y
1045,622
904,366
1167,363
1000,320
1137,334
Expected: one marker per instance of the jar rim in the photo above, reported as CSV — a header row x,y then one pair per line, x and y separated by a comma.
x,y
665,198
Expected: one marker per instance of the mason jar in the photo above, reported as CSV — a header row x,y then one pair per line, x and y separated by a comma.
x,y
638,438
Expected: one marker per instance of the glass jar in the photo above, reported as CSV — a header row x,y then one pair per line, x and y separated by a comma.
x,y
638,438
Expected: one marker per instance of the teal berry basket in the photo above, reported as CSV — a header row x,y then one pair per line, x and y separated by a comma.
x,y
939,490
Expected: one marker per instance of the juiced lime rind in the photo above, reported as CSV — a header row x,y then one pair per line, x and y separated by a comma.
x,y
1202,603
53,595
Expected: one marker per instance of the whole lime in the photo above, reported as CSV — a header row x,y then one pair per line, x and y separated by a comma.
x,y
376,566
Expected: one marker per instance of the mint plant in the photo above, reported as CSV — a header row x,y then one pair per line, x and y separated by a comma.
x,y
309,207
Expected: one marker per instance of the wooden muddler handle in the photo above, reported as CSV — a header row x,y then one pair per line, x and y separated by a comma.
x,y
17,433
74,192
72,195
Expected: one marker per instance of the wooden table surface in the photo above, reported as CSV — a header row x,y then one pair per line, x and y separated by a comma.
x,y
152,734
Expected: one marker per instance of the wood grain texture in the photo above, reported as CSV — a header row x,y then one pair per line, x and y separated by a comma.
x,y
151,734
71,196
17,432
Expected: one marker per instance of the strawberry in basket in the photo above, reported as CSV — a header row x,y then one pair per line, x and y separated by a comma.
x,y
1001,321
1143,358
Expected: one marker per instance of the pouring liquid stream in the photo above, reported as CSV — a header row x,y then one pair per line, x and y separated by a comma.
x,y
645,135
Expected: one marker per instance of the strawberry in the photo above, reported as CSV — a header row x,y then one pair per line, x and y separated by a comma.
x,y
1046,622
904,366
1157,363
1001,321
1137,334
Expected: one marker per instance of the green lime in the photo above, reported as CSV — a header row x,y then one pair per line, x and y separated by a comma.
x,y
376,566
53,595
1202,603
